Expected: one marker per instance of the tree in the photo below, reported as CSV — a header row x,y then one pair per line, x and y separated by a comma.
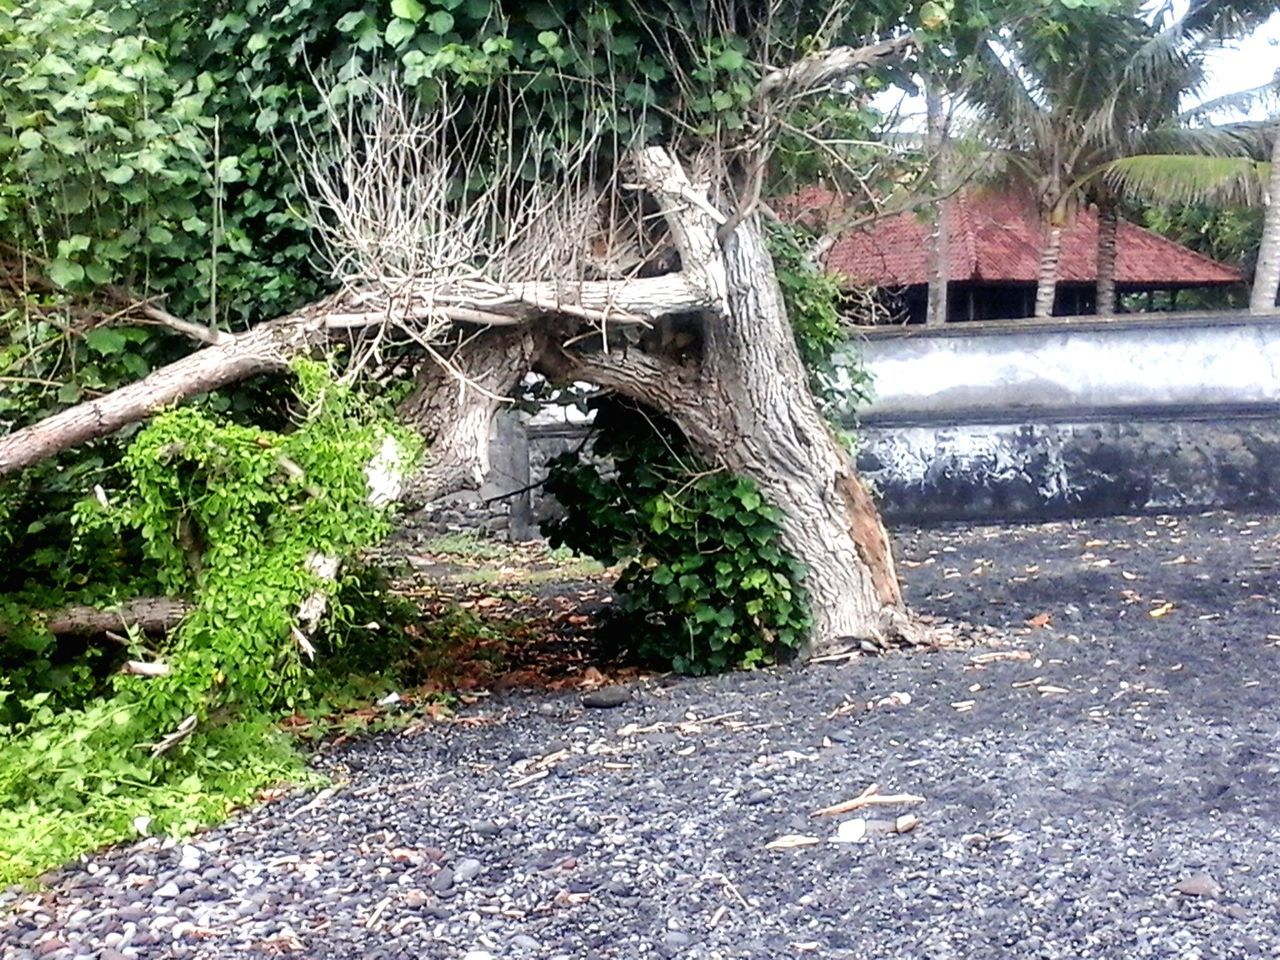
x,y
448,236
1266,279
1065,100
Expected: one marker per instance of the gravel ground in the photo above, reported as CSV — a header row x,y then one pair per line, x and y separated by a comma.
x,y
1100,778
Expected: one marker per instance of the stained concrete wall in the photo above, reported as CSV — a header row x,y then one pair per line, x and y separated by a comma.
x,y
992,421
1004,372
1074,417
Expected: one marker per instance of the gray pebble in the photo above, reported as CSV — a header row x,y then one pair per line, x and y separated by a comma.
x,y
606,697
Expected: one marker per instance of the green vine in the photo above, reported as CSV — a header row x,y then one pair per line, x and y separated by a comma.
x,y
230,517
704,585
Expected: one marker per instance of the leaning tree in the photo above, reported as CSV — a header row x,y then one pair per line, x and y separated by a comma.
x,y
495,221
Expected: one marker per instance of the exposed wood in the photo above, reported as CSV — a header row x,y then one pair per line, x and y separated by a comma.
x,y
269,347
822,69
149,614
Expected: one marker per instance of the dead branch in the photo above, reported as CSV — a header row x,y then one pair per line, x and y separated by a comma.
x,y
149,614
820,70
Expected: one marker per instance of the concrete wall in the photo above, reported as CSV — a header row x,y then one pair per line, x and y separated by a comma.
x,y
1000,420
1073,417
1004,372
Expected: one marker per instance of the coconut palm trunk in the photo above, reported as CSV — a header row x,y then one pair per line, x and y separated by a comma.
x,y
1047,280
940,238
1266,278
1108,230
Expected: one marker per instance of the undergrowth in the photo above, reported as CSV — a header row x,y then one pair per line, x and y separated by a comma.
x,y
231,518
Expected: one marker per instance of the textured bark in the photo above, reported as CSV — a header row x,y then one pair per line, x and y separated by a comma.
x,y
1047,281
940,237
1266,278
150,614
1108,229
453,408
777,437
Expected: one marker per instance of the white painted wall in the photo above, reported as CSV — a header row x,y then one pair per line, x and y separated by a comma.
x,y
1082,367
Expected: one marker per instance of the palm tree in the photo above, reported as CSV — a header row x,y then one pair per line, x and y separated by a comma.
x,y
1064,101
1229,181
1266,278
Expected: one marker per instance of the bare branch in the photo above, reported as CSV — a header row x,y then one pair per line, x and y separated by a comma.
x,y
830,66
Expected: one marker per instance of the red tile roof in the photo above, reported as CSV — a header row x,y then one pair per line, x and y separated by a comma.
x,y
996,238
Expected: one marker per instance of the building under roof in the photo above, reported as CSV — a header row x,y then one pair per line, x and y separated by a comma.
x,y
995,243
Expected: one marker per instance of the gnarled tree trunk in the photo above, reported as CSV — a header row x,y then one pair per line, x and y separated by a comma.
x,y
775,435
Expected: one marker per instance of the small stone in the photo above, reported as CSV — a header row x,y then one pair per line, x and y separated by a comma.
x,y
674,941
442,881
190,858
477,955
851,831
522,941
50,947
1198,885
168,891
467,870
606,697
758,796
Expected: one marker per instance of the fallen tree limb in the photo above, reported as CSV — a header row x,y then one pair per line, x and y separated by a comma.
x,y
149,614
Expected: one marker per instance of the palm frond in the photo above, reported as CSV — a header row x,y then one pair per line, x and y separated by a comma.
x,y
1242,101
1183,179
1228,140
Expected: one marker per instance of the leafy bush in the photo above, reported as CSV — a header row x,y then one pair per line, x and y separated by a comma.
x,y
705,585
230,517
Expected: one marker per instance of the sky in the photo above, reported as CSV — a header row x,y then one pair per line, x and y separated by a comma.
x,y
1244,64
1251,63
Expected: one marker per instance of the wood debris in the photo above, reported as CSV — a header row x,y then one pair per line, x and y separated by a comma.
x,y
870,797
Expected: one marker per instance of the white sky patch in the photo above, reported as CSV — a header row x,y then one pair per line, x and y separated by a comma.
x,y
1240,65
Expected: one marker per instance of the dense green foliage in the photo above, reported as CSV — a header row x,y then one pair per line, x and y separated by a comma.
x,y
228,516
705,586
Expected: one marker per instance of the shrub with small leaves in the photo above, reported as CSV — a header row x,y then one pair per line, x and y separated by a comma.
x,y
705,586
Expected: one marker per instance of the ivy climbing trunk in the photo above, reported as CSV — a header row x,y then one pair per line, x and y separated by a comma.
x,y
1108,230
775,435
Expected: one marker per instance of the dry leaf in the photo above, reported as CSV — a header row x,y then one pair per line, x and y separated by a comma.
x,y
1160,611
790,841
906,823
1039,620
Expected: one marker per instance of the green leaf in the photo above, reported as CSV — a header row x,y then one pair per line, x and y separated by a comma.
x,y
105,341
30,140
440,22
399,31
731,59
411,10
118,175
65,273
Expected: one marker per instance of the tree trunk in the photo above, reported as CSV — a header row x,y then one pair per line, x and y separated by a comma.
x,y
776,436
266,348
1108,229
746,405
1047,281
940,237
453,408
1266,278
